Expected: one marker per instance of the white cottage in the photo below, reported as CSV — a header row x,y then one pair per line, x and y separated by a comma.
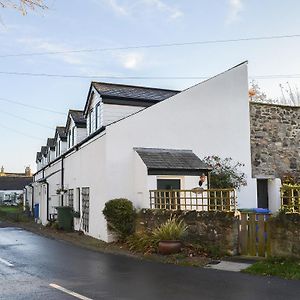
x,y
139,140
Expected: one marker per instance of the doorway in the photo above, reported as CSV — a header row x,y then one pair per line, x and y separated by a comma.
x,y
169,199
262,193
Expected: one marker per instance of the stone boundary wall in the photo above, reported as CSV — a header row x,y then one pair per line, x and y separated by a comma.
x,y
285,235
214,230
275,140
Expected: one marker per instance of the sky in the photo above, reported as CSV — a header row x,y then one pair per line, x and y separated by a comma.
x,y
101,24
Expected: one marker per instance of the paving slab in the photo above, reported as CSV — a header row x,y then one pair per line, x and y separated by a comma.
x,y
229,266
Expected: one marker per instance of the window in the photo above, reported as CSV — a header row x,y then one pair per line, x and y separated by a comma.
x,y
69,139
58,149
73,136
71,198
97,117
85,196
77,205
93,121
90,121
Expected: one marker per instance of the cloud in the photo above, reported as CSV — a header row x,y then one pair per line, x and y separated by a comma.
x,y
41,45
117,8
131,60
173,12
135,7
235,8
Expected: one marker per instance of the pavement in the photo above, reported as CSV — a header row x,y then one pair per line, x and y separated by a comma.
x,y
35,267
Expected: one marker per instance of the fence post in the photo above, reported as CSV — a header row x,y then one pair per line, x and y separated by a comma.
x,y
243,234
252,234
261,238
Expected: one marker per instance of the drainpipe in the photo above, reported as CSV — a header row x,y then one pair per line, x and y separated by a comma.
x,y
32,200
62,180
26,199
47,201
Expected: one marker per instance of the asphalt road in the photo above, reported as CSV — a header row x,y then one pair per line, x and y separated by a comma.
x,y
29,263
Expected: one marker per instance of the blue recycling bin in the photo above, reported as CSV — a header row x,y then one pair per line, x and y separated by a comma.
x,y
261,210
36,211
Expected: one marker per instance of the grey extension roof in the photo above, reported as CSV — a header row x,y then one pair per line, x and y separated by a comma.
x,y
170,161
130,94
8,183
78,117
61,131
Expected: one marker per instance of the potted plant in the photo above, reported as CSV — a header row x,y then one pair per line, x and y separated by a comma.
x,y
170,235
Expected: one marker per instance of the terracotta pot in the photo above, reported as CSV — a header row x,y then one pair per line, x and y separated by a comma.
x,y
169,247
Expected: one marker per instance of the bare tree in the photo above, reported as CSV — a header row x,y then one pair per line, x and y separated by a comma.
x,y
256,95
23,5
289,96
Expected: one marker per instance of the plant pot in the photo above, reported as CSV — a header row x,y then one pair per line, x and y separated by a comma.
x,y
169,247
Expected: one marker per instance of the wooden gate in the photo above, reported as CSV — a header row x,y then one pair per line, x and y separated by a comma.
x,y
254,234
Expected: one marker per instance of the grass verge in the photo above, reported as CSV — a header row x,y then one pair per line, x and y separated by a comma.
x,y
12,213
287,268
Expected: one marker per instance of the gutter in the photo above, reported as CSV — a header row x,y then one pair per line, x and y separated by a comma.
x,y
76,147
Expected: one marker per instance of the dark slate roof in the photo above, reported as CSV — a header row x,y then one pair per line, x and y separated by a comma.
x,y
51,143
44,150
185,162
132,92
129,94
38,156
78,117
61,131
14,183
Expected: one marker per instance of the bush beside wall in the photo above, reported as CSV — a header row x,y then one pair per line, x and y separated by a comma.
x,y
214,230
285,235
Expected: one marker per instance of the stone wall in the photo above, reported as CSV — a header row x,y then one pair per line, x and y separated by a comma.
x,y
285,235
275,140
217,230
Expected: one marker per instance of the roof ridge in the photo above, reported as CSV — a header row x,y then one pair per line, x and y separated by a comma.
x,y
134,86
162,149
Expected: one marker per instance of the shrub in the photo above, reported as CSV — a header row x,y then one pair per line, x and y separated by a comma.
x,y
142,242
171,230
225,173
120,216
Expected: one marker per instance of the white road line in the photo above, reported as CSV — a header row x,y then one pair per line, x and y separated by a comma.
x,y
55,286
5,262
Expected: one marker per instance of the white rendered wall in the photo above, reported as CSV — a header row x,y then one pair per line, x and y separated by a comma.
x,y
51,154
113,112
80,134
53,177
209,118
274,194
87,168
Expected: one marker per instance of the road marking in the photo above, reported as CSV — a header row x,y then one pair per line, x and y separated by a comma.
x,y
7,263
62,289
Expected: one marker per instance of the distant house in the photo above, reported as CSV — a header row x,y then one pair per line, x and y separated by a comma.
x,y
131,141
12,185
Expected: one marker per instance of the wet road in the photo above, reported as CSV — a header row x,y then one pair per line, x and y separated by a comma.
x,y
29,263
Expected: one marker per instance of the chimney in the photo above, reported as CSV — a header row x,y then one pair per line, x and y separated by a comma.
x,y
27,171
